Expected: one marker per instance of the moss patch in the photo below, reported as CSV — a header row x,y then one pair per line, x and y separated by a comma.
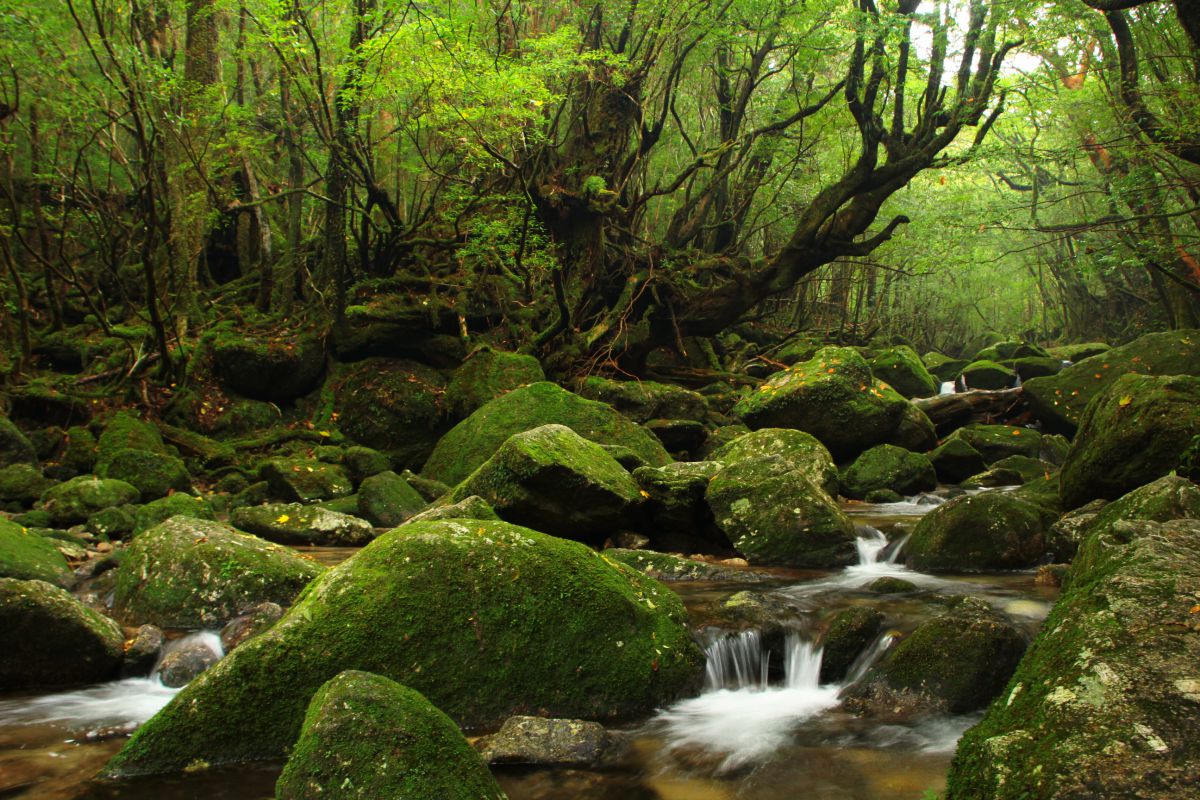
x,y
27,556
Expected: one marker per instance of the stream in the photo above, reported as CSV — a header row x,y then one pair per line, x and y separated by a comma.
x,y
756,732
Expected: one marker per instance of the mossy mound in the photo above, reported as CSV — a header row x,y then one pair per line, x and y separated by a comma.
x,y
473,441
954,663
1170,497
27,556
22,484
992,530
297,524
1132,433
955,460
1103,704
192,573
486,619
987,375
943,367
472,507
363,462
396,407
386,500
901,368
485,375
886,466
555,481
1030,469
51,639
124,431
803,451
161,510
154,475
15,448
833,397
995,442
915,431
365,736
1007,351
675,497
847,634
1078,352
72,502
79,454
643,401
305,480
1035,367
277,369
1059,401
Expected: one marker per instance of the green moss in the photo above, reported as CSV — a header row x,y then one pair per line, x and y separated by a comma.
x,y
72,502
396,407
297,524
988,375
473,441
987,531
22,484
1007,351
367,736
847,634
955,460
156,511
485,375
274,369
14,446
803,451
303,480
79,455
27,556
386,500
124,431
152,474
643,401
1078,352
453,610
943,367
902,369
995,442
886,466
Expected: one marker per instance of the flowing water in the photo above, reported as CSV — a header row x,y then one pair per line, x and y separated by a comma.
x,y
763,728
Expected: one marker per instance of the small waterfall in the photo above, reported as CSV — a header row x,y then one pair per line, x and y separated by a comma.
x,y
871,543
209,639
947,387
893,550
801,664
738,662
867,658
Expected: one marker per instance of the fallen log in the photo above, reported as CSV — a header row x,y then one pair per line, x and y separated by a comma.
x,y
948,412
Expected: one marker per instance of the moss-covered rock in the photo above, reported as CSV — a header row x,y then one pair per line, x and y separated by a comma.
x,y
889,584
485,375
991,530
156,511
886,466
675,497
995,442
672,568
215,413
51,639
22,484
114,523
801,450
774,513
956,662
955,460
795,350
473,441
915,431
1078,352
363,462
80,451
124,431
847,634
943,367
901,368
365,736
1059,401
304,480
987,375
73,501
396,407
15,447
1035,367
833,397
554,480
298,524
551,742
27,556
472,507
154,475
191,573
643,401
1170,497
486,619
386,500
1007,351
275,369
1103,704
1132,433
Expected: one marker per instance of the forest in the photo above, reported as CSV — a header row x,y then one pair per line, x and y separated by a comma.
x,y
600,399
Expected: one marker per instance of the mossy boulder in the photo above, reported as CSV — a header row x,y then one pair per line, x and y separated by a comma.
x,y
396,407
73,501
555,481
298,524
943,367
386,500
472,507
987,531
79,454
485,375
1029,469
671,568
793,351
1059,401
955,460
833,397
551,742
987,375
1133,432
803,451
1007,351
22,484
995,442
675,497
27,556
643,401
363,462
162,509
954,663
847,634
915,431
473,441
15,448
1104,703
486,619
305,480
124,431
277,369
192,573
886,466
774,513
154,475
901,368
1035,367
1170,497
51,639
366,736
1078,352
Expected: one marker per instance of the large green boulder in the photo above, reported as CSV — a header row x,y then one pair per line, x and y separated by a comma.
x,y
298,524
886,466
473,441
1133,432
73,501
995,442
305,480
1059,401
955,460
1104,703
1078,352
643,401
1034,366
51,639
28,556
1170,497
22,484
901,368
485,375
1007,351
15,448
943,367
954,663
124,431
833,397
555,481
972,533
193,573
162,509
366,736
386,500
275,369
987,375
799,449
915,431
485,619
674,495
396,407
154,475
848,633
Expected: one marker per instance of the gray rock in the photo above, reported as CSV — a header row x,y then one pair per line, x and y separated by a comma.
x,y
143,653
549,742
185,661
